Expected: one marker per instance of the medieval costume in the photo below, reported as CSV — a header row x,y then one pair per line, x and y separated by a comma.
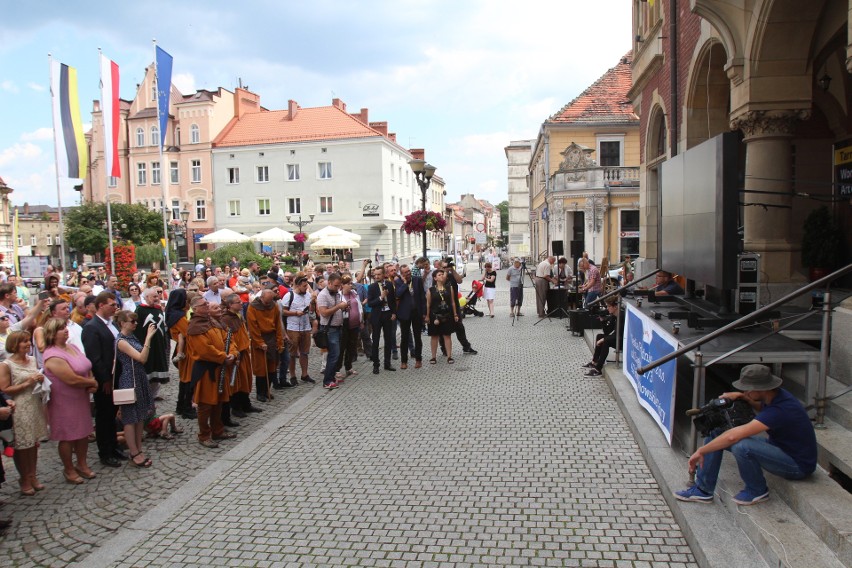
x,y
265,328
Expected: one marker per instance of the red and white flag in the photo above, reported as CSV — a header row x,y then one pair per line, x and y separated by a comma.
x,y
109,111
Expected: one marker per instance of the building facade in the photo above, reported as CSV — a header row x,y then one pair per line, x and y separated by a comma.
x,y
322,161
584,174
777,73
182,177
6,244
518,154
38,231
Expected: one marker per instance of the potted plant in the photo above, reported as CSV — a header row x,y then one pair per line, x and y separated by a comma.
x,y
822,243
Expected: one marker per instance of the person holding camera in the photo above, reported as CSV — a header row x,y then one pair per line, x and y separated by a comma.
x,y
604,341
381,297
789,450
441,315
453,281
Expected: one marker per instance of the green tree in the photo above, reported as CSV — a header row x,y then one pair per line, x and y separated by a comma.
x,y
85,226
503,206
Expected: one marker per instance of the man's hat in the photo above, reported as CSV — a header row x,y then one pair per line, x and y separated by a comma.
x,y
757,377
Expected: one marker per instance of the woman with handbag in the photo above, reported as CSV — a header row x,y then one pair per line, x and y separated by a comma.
x,y
18,378
441,315
68,411
132,354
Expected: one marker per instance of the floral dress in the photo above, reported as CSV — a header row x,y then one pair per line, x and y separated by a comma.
x,y
30,424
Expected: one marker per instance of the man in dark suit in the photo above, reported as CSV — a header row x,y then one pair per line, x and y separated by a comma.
x,y
381,298
410,310
99,342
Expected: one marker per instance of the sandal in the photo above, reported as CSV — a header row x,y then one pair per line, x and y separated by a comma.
x,y
167,436
146,463
73,480
432,361
86,474
450,360
178,430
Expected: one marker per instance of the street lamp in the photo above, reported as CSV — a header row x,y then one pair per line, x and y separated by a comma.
x,y
423,173
300,224
184,218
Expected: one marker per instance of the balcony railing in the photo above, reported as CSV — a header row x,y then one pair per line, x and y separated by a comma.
x,y
596,178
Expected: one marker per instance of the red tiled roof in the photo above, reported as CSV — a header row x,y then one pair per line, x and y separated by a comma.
x,y
272,127
605,101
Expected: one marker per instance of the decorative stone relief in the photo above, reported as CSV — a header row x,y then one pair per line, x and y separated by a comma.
x,y
757,123
595,210
557,216
576,157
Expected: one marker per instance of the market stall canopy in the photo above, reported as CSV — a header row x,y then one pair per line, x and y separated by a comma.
x,y
274,235
333,231
224,236
335,242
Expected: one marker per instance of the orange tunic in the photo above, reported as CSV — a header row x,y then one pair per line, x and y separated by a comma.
x,y
178,329
242,343
209,347
261,322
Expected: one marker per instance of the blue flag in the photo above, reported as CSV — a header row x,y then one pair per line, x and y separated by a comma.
x,y
164,90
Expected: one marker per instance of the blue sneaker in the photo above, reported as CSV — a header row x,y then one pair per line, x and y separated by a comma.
x,y
746,497
694,493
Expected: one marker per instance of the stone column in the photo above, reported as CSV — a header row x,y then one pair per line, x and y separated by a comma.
x,y
769,168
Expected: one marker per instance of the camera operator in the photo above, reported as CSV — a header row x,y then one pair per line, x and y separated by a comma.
x,y
788,451
453,281
604,341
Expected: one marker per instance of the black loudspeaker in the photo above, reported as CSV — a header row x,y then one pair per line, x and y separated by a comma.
x,y
576,249
558,249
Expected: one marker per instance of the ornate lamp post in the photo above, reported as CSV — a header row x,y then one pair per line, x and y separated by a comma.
x,y
184,218
423,173
300,224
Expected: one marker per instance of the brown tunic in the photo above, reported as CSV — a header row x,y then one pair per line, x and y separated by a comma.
x,y
178,329
264,322
209,346
241,342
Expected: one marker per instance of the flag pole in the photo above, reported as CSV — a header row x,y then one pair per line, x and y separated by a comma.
x,y
58,186
15,262
107,135
167,267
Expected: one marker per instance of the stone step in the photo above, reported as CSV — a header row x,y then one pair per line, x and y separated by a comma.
x,y
838,409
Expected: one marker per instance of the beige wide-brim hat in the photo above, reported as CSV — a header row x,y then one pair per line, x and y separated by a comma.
x,y
757,378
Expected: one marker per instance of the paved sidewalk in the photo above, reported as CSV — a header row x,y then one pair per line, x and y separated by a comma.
x,y
508,457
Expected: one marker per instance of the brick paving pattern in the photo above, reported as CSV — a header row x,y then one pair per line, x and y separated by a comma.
x,y
508,457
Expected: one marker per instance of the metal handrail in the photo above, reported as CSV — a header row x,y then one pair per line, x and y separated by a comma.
x,y
600,299
746,318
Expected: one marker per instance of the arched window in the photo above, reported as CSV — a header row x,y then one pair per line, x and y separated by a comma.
x,y
177,136
195,134
140,136
155,135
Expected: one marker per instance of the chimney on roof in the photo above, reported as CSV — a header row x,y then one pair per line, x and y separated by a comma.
x,y
26,208
392,136
362,116
381,127
418,153
245,101
96,105
339,104
292,109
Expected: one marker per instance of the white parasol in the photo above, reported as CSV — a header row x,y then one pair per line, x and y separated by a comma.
x,y
330,231
274,235
224,236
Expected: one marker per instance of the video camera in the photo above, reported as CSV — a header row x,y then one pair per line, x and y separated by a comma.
x,y
721,414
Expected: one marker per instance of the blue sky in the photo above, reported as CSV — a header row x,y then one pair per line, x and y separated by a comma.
x,y
458,78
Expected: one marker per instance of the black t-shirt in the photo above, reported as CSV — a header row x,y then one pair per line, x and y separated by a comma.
x,y
491,283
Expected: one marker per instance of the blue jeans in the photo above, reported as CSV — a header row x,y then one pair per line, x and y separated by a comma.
x,y
591,297
333,354
753,455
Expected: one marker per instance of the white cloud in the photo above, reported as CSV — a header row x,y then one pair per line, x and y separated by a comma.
x,y
36,135
9,86
36,87
185,82
20,153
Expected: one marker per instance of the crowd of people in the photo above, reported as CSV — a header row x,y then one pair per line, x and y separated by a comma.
x,y
84,363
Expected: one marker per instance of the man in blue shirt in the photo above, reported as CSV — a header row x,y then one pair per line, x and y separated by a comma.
x,y
788,451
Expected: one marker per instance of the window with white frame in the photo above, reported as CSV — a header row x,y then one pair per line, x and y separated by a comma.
x,y
393,204
234,208
326,204
155,173
233,175
263,207
153,91
20,240
294,206
262,174
195,168
176,209
400,175
33,240
177,136
49,240
610,150
174,172
391,171
194,134
140,137
155,135
56,239
141,174
292,172
324,170
200,210
112,181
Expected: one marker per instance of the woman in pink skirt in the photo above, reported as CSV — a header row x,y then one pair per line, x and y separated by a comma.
x,y
68,411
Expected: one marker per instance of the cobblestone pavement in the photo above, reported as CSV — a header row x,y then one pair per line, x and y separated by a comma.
x,y
508,457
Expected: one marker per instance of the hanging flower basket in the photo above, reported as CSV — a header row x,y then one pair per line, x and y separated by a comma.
x,y
125,263
430,220
300,237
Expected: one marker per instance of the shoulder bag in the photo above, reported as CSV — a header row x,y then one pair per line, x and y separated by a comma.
x,y
123,396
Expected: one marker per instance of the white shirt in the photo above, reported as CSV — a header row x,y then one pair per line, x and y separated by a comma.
x,y
543,269
75,335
